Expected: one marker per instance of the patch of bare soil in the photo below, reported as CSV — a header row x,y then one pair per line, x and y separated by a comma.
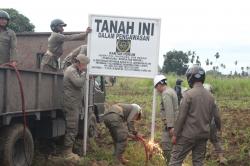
x,y
235,137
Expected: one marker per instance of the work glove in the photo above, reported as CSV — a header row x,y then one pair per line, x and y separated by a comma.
x,y
174,140
171,131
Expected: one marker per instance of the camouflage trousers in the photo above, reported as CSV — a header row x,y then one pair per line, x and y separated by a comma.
x,y
72,118
166,145
118,132
184,146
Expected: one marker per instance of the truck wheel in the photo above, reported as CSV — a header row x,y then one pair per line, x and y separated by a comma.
x,y
18,146
92,126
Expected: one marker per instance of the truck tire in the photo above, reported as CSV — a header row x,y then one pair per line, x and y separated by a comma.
x,y
92,126
17,149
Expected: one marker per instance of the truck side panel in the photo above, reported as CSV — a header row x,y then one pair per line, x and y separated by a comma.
x,y
42,91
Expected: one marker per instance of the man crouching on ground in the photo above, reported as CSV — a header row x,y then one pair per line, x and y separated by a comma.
x,y
114,120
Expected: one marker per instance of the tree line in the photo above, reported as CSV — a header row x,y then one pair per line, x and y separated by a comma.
x,y
178,62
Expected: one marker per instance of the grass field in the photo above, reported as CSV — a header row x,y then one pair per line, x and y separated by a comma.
x,y
233,98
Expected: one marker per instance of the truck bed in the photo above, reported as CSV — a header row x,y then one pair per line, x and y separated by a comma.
x,y
42,91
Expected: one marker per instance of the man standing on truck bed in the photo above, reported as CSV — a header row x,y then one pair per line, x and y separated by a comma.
x,y
55,44
8,40
73,82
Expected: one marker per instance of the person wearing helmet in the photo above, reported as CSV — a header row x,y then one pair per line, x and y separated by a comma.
x,y
169,113
215,127
73,82
55,44
114,120
178,90
8,40
192,127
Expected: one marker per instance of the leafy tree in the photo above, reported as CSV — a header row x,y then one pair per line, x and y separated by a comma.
x,y
175,61
18,22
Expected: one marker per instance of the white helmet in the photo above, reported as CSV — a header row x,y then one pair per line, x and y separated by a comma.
x,y
159,78
137,107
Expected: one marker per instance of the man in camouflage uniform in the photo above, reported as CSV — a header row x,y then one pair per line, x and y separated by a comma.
x,y
73,82
70,58
214,135
55,45
169,113
192,128
8,40
114,120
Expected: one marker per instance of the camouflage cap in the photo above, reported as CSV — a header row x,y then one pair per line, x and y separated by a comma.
x,y
82,58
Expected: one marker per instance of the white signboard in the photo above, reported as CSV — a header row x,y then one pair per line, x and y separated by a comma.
x,y
124,46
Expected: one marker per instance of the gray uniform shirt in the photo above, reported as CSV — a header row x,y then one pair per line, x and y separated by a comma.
x,y
73,83
169,107
196,109
55,47
8,44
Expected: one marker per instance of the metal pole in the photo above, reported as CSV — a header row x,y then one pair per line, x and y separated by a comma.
x,y
153,116
85,132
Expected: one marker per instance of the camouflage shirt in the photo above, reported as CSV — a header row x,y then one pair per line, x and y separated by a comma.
x,y
8,44
55,47
128,113
169,107
73,83
70,58
196,110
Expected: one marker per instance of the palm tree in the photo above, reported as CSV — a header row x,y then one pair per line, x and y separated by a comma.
x,y
242,71
197,60
217,55
236,62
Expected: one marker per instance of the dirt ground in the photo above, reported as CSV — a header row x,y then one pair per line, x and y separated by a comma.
x,y
235,140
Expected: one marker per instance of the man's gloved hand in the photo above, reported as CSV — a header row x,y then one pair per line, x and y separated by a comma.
x,y
171,131
135,136
88,30
174,140
139,135
132,136
14,63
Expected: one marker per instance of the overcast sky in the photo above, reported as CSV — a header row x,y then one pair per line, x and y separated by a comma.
x,y
203,26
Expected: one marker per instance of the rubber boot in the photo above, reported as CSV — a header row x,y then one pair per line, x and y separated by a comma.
x,y
222,159
167,156
69,155
122,160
